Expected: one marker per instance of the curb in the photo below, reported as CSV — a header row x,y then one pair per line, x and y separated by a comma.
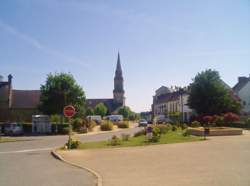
x,y
59,157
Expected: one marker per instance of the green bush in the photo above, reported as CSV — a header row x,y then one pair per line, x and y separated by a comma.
x,y
140,133
195,124
184,126
164,128
73,144
91,124
185,133
156,135
77,123
115,141
83,130
106,125
65,130
174,128
125,137
123,124
247,123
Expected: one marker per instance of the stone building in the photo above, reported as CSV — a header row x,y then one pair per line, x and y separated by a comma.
x,y
118,99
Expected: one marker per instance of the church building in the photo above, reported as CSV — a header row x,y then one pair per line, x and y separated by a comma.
x,y
118,99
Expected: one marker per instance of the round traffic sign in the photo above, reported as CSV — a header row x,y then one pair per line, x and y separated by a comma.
x,y
69,111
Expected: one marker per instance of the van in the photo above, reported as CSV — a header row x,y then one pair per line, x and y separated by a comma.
x,y
96,118
115,118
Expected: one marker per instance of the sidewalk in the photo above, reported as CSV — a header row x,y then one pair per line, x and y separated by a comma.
x,y
220,161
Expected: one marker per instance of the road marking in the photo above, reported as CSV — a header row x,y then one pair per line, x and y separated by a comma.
x,y
27,150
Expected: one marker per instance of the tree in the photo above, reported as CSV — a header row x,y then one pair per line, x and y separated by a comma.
x,y
58,91
209,95
125,111
101,109
89,112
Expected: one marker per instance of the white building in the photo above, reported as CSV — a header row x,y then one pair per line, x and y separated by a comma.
x,y
167,101
242,90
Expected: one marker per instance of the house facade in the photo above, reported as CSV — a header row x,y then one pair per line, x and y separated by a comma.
x,y
242,90
171,101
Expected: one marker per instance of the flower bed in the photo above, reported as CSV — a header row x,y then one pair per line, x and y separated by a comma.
x,y
215,131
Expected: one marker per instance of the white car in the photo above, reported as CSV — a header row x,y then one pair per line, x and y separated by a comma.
x,y
96,118
13,129
143,123
115,118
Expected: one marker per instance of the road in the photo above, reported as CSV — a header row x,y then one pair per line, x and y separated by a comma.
x,y
28,163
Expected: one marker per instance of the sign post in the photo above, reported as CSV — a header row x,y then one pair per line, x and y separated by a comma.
x,y
69,111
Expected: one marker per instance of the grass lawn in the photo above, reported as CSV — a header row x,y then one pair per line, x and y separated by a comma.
x,y
170,137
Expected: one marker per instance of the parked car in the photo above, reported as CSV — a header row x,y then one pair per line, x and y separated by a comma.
x,y
13,129
143,123
96,118
162,119
115,118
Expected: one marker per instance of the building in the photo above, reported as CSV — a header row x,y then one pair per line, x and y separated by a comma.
x,y
118,99
17,105
242,90
169,101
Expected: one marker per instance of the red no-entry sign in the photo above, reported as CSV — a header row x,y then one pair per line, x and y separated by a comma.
x,y
69,111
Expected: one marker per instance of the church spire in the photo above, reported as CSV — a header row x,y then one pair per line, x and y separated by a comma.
x,y
118,71
118,83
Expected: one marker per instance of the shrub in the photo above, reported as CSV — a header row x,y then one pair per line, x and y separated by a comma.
x,y
140,133
195,124
123,124
184,126
73,144
115,141
231,117
207,119
218,120
164,128
125,137
156,135
185,133
106,125
77,123
65,130
83,130
174,128
91,124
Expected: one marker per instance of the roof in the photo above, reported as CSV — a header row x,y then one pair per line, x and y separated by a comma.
x,y
241,83
25,99
173,96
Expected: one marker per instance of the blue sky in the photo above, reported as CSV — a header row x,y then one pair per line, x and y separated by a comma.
x,y
161,42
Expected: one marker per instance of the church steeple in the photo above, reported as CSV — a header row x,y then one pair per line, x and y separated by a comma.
x,y
118,84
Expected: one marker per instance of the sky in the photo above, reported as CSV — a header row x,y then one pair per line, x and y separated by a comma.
x,y
161,42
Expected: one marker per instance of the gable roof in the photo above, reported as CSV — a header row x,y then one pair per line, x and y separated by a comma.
x,y
25,99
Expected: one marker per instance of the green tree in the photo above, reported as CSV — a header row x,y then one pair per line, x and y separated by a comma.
x,y
58,91
125,111
101,109
89,112
210,95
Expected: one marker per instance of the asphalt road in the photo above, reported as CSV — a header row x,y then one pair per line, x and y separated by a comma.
x,y
29,163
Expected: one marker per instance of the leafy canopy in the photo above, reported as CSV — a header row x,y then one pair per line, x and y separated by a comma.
x,y
60,90
100,109
210,95
125,111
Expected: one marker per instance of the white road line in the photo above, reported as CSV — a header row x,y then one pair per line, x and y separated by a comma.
x,y
27,150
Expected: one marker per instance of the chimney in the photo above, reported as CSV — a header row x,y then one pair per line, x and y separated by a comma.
x,y
10,90
242,79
